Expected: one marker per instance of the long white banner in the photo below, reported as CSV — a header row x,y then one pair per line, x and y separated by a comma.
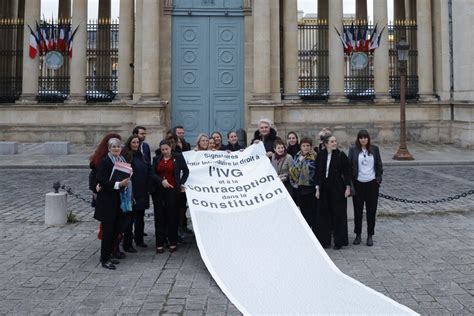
x,y
258,247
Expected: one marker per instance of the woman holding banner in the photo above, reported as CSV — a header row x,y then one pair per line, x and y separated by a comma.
x,y
333,186
169,174
108,206
202,142
266,134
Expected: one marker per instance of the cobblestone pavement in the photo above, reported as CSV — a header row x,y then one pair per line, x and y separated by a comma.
x,y
425,261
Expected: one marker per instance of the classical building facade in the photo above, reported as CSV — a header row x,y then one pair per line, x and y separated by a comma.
x,y
224,64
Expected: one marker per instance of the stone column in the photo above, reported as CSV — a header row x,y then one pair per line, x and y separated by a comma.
x,y
399,10
261,50
150,85
381,58
408,13
137,50
64,10
78,63
104,38
5,9
290,42
441,53
275,51
14,9
361,10
425,49
21,9
125,54
30,66
336,54
323,12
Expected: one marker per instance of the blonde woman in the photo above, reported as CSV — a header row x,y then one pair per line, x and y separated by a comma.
x,y
202,142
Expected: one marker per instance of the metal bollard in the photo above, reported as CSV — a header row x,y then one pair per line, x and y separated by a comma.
x,y
55,209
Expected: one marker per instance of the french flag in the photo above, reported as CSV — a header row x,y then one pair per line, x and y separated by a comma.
x,y
34,47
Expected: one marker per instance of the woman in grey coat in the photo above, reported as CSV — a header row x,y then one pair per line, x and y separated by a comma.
x,y
367,173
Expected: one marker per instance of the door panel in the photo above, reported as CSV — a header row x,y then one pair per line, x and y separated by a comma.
x,y
207,74
190,66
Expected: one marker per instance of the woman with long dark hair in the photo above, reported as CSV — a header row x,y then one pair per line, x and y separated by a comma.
x,y
141,200
333,186
367,170
169,173
232,142
292,144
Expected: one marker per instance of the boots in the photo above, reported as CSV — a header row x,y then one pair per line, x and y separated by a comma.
x,y
357,240
370,242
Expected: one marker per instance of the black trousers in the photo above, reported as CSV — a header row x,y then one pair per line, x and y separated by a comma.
x,y
109,238
332,217
139,226
165,209
365,193
183,221
307,203
128,219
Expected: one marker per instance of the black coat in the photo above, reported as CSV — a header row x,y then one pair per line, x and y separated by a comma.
x,y
268,141
332,216
339,175
181,172
107,208
140,179
235,147
354,152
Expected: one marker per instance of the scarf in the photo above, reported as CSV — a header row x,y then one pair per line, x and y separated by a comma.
x,y
126,193
278,157
293,149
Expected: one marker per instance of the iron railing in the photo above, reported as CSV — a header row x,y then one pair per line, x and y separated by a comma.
x,y
102,59
397,31
11,59
313,52
313,82
53,84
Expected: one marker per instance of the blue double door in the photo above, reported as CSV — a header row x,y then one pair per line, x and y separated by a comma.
x,y
207,74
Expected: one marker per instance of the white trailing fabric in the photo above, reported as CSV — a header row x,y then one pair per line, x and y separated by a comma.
x,y
258,247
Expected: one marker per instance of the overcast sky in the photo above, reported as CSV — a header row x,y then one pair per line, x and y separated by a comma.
x,y
50,7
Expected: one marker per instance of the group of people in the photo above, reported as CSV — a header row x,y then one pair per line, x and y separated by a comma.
x,y
319,179
120,205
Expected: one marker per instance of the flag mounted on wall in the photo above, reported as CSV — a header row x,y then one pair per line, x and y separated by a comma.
x,y
358,38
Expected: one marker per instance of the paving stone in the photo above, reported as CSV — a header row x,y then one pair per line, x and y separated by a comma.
x,y
423,260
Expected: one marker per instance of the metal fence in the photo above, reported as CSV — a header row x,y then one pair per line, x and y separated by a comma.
x,y
53,83
11,59
397,31
358,83
313,52
102,59
313,80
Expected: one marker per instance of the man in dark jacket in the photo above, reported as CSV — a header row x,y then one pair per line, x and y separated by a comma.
x,y
140,131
